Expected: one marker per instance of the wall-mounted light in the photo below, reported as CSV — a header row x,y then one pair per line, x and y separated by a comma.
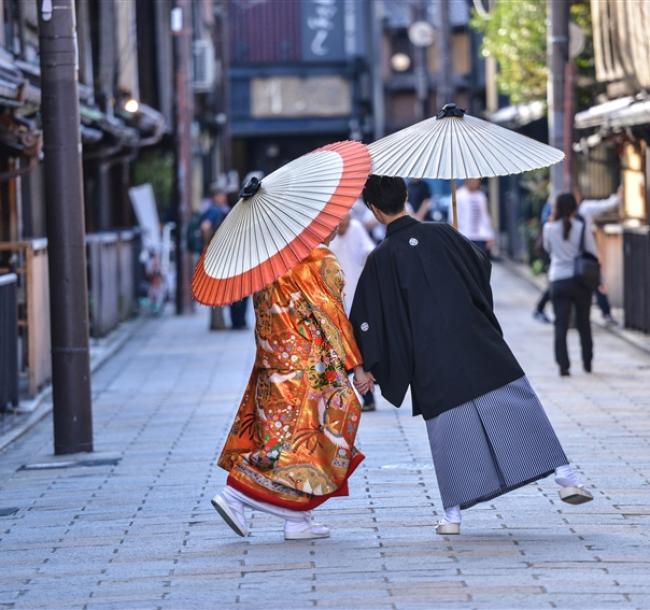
x,y
176,20
132,105
400,62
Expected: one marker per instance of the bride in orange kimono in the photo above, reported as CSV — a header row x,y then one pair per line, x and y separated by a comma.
x,y
291,446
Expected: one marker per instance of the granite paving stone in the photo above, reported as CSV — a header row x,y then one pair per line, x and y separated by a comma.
x,y
140,534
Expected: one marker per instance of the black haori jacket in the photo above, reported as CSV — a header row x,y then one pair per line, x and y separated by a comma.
x,y
423,317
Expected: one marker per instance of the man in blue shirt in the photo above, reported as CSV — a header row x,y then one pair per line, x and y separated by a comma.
x,y
210,221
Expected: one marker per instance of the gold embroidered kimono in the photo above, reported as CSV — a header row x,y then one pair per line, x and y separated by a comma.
x,y
292,441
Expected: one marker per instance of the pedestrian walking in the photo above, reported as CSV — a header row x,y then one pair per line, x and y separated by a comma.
x,y
565,237
423,317
214,214
419,196
539,313
291,446
588,209
474,221
351,245
210,220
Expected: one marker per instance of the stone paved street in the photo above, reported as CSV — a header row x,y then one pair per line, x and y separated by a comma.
x,y
135,529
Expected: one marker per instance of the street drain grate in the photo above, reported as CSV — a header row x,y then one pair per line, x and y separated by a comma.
x,y
89,463
8,511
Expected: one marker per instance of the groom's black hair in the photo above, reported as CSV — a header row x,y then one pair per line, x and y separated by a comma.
x,y
386,193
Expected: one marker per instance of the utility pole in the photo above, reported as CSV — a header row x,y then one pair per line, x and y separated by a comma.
x,y
222,97
65,228
375,10
444,82
422,35
558,56
569,118
183,113
492,105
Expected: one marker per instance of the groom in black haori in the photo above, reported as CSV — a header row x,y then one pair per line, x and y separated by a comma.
x,y
423,317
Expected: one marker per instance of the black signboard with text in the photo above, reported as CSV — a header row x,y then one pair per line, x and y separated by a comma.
x,y
322,30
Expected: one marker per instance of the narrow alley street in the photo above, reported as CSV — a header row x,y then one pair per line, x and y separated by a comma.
x,y
131,526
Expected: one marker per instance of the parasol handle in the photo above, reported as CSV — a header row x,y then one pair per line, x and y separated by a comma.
x,y
454,209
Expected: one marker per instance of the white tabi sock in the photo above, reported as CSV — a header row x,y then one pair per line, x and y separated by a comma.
x,y
566,476
277,511
452,515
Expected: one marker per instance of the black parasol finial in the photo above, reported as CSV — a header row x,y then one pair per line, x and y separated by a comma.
x,y
451,110
250,188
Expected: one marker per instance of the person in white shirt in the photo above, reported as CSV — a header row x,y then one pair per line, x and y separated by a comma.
x,y
364,216
588,209
474,220
376,230
352,244
562,237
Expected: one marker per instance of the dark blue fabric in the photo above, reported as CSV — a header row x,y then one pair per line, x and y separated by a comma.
x,y
215,215
238,313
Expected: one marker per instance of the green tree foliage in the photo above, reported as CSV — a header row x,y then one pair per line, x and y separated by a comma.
x,y
156,167
514,33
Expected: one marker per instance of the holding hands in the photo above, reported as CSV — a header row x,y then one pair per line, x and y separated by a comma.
x,y
364,382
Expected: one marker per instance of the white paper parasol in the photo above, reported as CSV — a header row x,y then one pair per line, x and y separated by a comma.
x,y
454,145
279,220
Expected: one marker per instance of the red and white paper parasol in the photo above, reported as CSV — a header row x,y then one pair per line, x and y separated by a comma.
x,y
279,220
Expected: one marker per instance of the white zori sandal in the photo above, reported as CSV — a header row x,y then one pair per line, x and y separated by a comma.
x,y
231,510
572,490
298,525
449,525
305,528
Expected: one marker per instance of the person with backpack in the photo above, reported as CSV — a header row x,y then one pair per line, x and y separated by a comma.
x,y
209,221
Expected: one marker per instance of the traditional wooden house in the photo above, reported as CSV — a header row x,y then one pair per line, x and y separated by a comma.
x,y
113,134
612,144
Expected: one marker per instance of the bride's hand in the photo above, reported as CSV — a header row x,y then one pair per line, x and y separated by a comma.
x,y
364,382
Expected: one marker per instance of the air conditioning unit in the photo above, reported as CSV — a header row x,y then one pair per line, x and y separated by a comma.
x,y
205,68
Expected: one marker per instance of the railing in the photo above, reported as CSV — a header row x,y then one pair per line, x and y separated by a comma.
x,y
28,260
8,341
112,278
636,247
103,292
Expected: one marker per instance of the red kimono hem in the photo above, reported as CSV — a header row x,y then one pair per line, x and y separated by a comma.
x,y
315,501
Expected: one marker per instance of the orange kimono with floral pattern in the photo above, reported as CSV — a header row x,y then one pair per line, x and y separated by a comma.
x,y
292,441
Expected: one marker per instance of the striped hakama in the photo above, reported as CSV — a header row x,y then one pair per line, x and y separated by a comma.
x,y
492,445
